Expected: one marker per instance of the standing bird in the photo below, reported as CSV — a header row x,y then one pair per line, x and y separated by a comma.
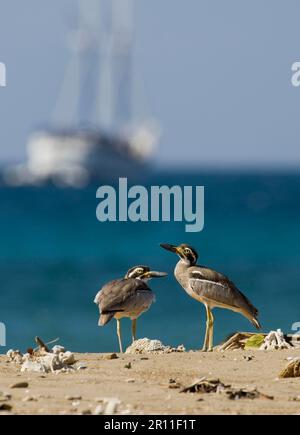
x,y
127,297
209,287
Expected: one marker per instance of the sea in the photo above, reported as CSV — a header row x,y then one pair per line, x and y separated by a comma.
x,y
55,256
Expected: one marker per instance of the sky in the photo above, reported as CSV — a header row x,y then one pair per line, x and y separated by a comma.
x,y
216,75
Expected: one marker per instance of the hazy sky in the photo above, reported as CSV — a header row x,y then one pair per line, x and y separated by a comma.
x,y
217,75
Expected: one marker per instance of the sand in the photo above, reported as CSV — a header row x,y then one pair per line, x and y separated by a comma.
x,y
145,388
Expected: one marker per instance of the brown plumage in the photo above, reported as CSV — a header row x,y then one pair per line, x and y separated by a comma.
x,y
127,297
211,288
119,298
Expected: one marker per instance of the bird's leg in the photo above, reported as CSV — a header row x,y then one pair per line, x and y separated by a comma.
x,y
206,340
119,334
133,330
211,331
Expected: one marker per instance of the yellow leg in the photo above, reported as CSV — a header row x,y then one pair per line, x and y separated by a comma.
x,y
133,330
119,334
206,340
211,331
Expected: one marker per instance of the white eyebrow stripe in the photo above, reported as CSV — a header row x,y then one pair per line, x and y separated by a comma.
x,y
208,281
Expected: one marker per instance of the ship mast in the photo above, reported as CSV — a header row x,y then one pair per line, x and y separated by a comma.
x,y
98,80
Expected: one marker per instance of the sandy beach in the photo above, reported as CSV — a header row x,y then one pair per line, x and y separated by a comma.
x,y
142,384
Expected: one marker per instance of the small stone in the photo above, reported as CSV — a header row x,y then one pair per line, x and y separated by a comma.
x,y
111,356
130,381
128,366
67,358
86,412
29,399
73,398
20,385
76,403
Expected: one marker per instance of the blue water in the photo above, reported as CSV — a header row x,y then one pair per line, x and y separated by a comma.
x,y
55,256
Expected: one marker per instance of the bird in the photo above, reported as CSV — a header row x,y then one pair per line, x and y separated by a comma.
x,y
211,288
127,297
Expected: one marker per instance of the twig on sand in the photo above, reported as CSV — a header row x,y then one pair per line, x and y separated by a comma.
x,y
42,346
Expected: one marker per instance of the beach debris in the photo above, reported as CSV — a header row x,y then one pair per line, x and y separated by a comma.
x,y
58,349
107,406
110,356
275,340
86,412
250,341
205,385
235,394
73,398
99,410
19,385
254,342
292,370
42,345
44,360
128,366
145,345
112,406
81,366
248,357
14,356
236,341
173,384
4,397
5,407
294,399
30,399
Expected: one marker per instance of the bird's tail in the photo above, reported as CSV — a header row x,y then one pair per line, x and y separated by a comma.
x,y
105,318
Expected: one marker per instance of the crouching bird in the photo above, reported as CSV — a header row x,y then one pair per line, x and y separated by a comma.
x,y
127,297
209,287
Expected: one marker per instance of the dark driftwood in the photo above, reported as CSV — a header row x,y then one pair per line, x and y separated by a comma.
x,y
42,346
238,340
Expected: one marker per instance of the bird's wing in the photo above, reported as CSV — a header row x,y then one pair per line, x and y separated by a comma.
x,y
115,295
217,288
103,291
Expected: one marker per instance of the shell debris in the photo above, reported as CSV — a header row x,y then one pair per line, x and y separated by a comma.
x,y
44,360
145,345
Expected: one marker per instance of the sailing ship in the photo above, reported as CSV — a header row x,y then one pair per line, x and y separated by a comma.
x,y
103,136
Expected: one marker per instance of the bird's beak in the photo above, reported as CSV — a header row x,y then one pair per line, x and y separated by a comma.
x,y
168,247
154,274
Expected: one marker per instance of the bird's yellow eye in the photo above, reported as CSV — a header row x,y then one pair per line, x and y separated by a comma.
x,y
187,251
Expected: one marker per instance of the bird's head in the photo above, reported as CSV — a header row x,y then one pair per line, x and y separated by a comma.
x,y
143,273
187,254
